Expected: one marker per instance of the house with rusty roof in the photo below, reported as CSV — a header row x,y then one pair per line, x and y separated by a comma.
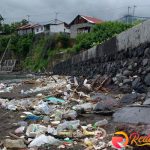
x,y
82,24
50,28
30,28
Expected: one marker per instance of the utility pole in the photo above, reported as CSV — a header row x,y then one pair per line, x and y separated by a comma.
x,y
56,16
28,16
133,12
128,14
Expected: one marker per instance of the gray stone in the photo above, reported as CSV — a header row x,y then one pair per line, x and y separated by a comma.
x,y
120,77
130,67
140,70
127,73
147,79
120,84
126,88
105,103
131,98
138,86
134,115
143,73
15,144
114,79
147,52
147,101
98,97
135,64
148,69
136,82
126,81
148,95
145,62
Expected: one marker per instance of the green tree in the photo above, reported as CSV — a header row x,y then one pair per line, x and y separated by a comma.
x,y
99,34
1,19
24,22
6,28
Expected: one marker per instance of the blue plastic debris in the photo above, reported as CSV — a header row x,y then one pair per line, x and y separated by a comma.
x,y
33,118
55,100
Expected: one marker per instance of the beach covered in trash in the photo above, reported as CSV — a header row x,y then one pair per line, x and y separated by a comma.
x,y
63,112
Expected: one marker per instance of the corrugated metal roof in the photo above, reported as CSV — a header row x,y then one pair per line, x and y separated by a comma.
x,y
28,26
92,19
88,19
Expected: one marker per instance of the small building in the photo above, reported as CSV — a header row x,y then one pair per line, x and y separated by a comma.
x,y
56,26
30,28
82,24
1,32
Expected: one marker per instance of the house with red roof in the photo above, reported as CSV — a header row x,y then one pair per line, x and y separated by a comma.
x,y
82,24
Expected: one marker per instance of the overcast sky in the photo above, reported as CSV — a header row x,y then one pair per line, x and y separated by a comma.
x,y
44,10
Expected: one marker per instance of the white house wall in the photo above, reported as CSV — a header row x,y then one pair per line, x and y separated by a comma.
x,y
24,32
59,28
39,29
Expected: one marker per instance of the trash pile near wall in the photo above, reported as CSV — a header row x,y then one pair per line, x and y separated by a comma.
x,y
57,118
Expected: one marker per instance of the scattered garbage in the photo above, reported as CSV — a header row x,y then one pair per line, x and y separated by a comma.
x,y
34,130
85,107
20,130
2,86
57,112
14,143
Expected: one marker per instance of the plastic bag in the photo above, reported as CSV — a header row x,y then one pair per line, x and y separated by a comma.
x,y
42,139
35,129
43,107
70,115
71,125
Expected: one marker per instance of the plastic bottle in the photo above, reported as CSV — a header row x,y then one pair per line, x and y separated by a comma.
x,y
101,123
58,115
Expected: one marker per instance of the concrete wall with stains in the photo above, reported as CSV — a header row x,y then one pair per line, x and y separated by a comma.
x,y
127,40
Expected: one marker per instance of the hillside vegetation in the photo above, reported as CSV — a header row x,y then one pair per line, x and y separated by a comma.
x,y
35,52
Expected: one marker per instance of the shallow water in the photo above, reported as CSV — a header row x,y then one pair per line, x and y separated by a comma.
x,y
11,78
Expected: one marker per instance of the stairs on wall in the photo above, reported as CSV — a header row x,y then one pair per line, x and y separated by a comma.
x,y
7,63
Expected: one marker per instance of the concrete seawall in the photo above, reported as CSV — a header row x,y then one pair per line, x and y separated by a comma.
x,y
127,45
